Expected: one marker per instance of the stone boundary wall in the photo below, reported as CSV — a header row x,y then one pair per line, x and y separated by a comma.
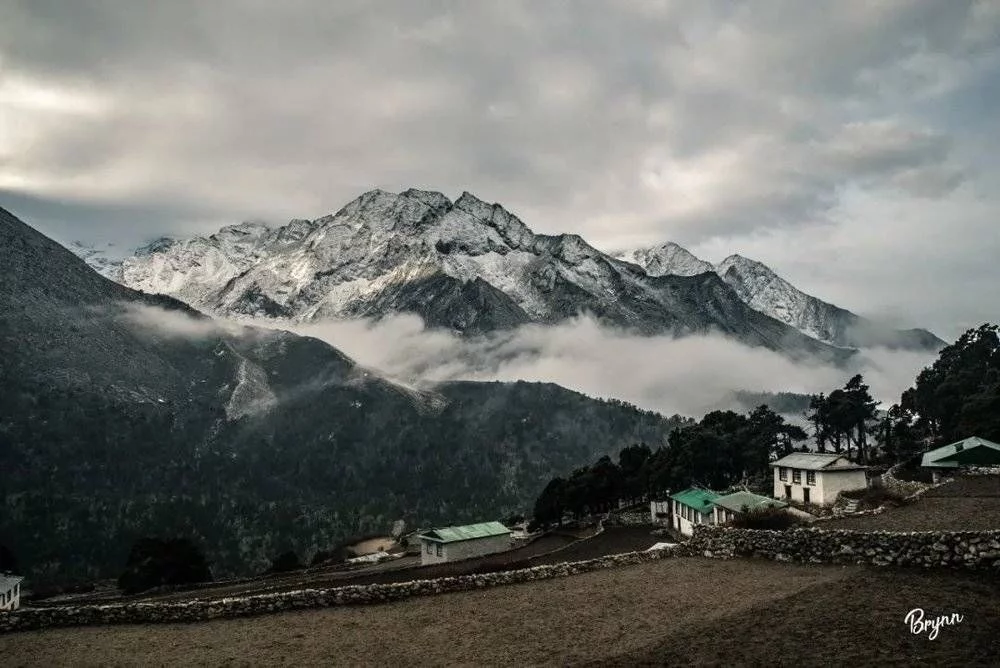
x,y
908,488
629,518
197,610
951,549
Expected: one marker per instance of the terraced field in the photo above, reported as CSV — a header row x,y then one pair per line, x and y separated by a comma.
x,y
968,504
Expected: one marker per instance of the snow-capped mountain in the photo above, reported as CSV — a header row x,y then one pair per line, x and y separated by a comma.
x,y
100,259
465,265
763,290
669,258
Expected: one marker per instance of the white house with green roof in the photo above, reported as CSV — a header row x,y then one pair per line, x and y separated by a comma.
x,y
972,451
691,507
730,506
463,542
816,477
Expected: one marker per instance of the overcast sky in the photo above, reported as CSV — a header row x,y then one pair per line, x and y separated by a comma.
x,y
851,145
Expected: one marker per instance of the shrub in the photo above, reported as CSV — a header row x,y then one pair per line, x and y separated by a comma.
x,y
8,563
765,518
285,562
321,557
154,562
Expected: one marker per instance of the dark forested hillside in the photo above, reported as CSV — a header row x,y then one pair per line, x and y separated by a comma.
x,y
125,415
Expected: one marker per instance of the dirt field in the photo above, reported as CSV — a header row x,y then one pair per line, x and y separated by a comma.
x,y
671,612
967,504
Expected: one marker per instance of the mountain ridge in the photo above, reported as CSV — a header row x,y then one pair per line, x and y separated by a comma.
x,y
417,251
764,290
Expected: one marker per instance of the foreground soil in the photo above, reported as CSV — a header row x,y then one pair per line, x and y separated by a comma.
x,y
671,612
967,504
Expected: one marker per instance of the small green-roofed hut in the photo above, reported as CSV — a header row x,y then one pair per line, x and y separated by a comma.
x,y
968,452
463,542
727,507
691,507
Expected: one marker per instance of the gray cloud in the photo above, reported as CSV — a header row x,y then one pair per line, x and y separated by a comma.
x,y
715,124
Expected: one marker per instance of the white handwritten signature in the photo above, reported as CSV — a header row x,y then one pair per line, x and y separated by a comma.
x,y
915,620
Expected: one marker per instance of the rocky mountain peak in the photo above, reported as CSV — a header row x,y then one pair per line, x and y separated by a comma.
x,y
668,258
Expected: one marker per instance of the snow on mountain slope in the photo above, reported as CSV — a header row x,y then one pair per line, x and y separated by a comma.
x,y
763,290
465,265
100,259
669,258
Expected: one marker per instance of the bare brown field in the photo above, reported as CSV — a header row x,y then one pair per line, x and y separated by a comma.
x,y
673,612
967,504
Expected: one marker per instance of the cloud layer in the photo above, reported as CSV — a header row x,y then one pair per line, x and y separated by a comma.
x,y
847,144
686,376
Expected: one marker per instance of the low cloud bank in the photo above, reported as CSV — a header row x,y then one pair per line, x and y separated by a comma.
x,y
688,376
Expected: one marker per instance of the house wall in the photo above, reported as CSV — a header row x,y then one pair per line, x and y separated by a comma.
x,y
684,525
828,484
722,515
465,549
11,599
659,507
835,482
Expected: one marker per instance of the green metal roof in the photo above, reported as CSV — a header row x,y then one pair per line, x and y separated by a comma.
x,y
467,532
738,501
694,497
972,451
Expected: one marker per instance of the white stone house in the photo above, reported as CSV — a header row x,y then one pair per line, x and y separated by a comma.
x,y
463,542
10,592
690,508
816,477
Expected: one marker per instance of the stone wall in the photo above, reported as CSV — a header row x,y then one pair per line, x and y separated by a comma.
x,y
629,518
908,488
953,549
200,610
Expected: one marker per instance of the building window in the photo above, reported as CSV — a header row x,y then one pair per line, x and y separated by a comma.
x,y
796,477
429,547
782,473
810,477
439,549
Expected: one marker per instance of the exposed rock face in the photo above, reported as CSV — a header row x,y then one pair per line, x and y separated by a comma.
x,y
763,290
465,265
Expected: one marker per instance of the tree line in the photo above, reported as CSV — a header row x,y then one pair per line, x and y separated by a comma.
x,y
955,397
721,450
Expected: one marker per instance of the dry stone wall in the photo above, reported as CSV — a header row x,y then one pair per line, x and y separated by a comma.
x,y
629,518
952,549
201,610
